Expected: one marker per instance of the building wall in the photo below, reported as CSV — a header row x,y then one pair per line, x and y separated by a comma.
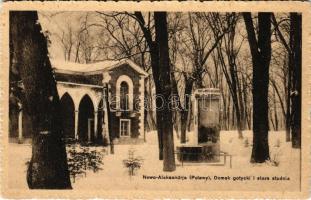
x,y
95,79
132,115
77,92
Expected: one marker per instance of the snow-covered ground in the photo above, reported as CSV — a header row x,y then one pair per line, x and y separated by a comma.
x,y
114,175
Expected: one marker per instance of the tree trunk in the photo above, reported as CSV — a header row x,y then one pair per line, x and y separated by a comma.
x,y
246,114
228,112
154,57
190,118
231,79
271,120
235,100
288,92
177,107
185,111
288,112
276,120
295,42
48,167
261,56
236,92
165,83
159,112
241,104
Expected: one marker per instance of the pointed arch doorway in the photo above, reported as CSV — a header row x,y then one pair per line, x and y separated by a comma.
x,y
86,119
68,113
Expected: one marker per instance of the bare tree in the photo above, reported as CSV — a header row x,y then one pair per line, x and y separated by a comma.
x,y
281,35
288,31
295,43
161,38
260,48
160,62
198,44
78,39
231,50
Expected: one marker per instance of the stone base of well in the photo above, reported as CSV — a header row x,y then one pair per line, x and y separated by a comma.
x,y
207,152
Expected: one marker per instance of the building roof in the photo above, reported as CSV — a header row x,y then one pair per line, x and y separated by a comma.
x,y
93,68
95,79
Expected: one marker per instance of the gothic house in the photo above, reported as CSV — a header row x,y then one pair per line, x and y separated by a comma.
x,y
81,88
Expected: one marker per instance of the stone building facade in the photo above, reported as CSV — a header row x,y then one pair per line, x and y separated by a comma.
x,y
81,88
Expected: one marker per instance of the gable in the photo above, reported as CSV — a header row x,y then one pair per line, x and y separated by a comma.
x,y
137,68
124,69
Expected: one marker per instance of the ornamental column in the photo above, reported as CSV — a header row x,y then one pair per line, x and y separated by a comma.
x,y
95,124
20,124
76,124
105,120
106,79
141,125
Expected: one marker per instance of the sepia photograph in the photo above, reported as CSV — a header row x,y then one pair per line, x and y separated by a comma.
x,y
155,100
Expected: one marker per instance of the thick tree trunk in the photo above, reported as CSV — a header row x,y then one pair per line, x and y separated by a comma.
x,y
295,42
288,116
261,56
154,56
159,102
288,92
48,167
165,83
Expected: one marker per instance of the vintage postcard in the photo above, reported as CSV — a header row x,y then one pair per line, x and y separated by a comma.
x,y
155,100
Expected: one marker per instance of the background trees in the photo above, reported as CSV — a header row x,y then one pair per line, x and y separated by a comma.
x,y
235,52
191,36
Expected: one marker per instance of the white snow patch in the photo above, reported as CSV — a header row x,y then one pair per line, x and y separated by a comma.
x,y
114,174
80,67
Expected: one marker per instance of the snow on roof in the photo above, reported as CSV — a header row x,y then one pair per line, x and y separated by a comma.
x,y
93,68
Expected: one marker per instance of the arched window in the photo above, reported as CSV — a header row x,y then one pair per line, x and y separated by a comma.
x,y
124,93
124,96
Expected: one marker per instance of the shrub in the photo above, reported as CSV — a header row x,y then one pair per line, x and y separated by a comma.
x,y
132,163
81,158
275,158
